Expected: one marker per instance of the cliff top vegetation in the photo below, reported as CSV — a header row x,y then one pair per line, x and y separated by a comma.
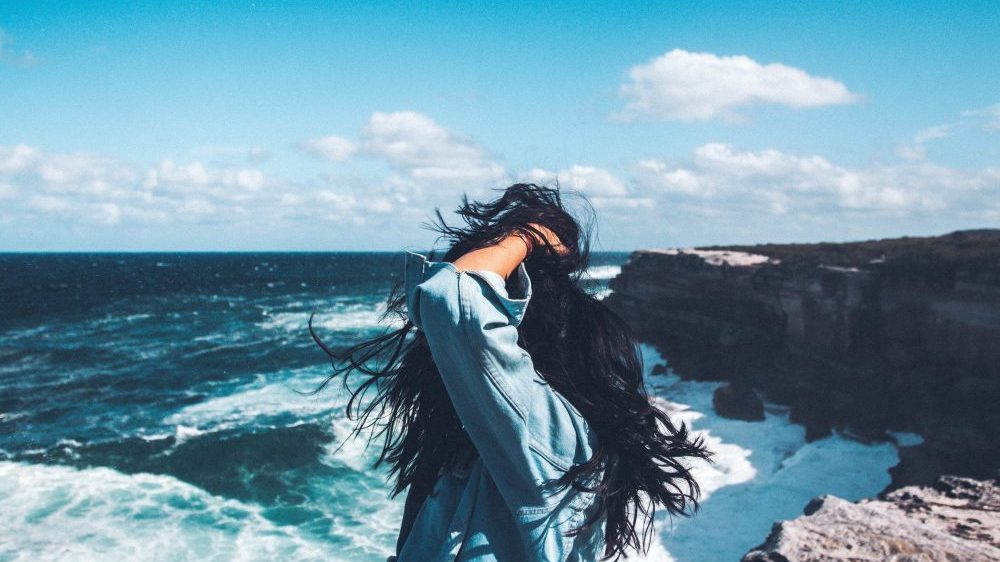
x,y
940,260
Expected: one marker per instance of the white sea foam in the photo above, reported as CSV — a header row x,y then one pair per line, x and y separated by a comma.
x,y
182,433
764,471
264,397
347,449
272,397
731,464
602,294
602,272
344,317
60,513
213,338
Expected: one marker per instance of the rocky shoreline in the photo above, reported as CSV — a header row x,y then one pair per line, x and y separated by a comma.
x,y
873,337
955,519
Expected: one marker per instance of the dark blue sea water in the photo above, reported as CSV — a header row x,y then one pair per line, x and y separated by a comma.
x,y
148,412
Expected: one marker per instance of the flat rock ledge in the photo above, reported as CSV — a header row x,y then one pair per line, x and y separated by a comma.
x,y
955,520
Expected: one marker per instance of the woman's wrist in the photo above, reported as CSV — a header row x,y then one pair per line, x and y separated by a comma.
x,y
526,239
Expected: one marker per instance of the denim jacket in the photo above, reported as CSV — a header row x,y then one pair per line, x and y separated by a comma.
x,y
498,506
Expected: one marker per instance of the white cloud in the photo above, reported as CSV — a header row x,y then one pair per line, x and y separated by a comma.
x,y
985,118
341,204
168,175
623,203
18,158
602,188
106,213
916,149
102,191
416,146
673,180
988,117
588,179
89,189
685,86
770,181
79,172
931,133
332,148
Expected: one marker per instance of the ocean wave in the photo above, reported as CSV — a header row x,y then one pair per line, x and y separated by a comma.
x,y
274,398
289,474
116,319
180,434
62,513
348,449
602,294
14,335
602,272
345,317
268,396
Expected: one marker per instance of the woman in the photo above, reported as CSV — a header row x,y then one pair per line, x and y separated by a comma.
x,y
511,403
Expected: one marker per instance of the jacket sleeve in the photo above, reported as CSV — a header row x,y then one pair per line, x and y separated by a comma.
x,y
520,428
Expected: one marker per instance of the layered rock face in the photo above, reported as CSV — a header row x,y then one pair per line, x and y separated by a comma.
x,y
958,519
894,334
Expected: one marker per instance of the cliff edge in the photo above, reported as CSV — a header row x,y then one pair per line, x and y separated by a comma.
x,y
900,334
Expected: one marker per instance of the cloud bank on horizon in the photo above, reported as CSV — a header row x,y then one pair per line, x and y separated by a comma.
x,y
369,186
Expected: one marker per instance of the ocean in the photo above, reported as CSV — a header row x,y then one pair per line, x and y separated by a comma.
x,y
148,411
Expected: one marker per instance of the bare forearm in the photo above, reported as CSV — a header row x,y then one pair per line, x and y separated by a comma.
x,y
502,257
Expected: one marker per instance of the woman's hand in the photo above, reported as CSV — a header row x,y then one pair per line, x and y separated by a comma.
x,y
547,237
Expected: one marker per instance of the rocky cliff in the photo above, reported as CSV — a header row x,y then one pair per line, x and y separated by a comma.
x,y
897,334
956,519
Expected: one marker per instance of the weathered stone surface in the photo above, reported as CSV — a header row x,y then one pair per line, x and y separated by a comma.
x,y
900,334
737,401
958,519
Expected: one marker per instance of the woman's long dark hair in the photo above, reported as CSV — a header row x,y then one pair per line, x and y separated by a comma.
x,y
581,348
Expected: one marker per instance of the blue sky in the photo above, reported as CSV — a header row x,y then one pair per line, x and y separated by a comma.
x,y
254,125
